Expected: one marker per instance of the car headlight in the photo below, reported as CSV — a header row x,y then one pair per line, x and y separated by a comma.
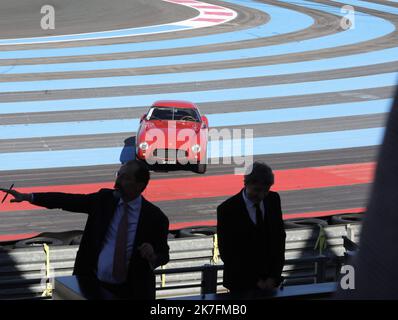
x,y
144,146
196,148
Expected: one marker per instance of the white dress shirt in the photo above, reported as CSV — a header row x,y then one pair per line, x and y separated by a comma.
x,y
105,260
251,207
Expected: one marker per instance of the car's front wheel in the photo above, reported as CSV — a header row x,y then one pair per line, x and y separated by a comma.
x,y
200,168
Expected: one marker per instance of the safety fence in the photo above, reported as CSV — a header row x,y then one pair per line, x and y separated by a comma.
x,y
26,272
302,245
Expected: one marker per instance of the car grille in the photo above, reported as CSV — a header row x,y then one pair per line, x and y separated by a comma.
x,y
170,154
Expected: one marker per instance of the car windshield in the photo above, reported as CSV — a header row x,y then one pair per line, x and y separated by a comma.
x,y
178,114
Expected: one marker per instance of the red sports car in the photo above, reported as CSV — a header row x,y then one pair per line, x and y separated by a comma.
x,y
173,133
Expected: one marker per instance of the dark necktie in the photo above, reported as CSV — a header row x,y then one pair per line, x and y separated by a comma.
x,y
120,256
259,216
260,243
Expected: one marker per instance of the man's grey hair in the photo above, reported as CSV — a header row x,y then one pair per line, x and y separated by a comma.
x,y
259,172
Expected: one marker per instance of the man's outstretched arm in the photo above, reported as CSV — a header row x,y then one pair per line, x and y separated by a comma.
x,y
56,200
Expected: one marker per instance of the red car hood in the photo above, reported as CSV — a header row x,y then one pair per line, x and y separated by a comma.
x,y
173,129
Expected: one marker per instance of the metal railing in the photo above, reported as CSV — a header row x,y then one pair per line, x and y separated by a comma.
x,y
22,269
209,273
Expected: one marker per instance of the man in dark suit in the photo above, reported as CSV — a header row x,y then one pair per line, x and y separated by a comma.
x,y
125,237
251,234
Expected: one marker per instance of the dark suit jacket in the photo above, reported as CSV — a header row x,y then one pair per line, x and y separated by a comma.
x,y
245,258
153,226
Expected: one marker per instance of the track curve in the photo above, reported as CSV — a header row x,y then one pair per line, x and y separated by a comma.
x,y
315,94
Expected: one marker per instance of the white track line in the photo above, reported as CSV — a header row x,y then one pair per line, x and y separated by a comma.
x,y
209,15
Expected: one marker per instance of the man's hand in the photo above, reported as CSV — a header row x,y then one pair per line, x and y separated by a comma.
x,y
147,252
267,284
18,197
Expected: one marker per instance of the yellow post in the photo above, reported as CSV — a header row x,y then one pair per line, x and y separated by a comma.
x,y
49,288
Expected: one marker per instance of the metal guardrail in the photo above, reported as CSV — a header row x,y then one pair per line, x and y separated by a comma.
x,y
209,278
22,269
300,243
